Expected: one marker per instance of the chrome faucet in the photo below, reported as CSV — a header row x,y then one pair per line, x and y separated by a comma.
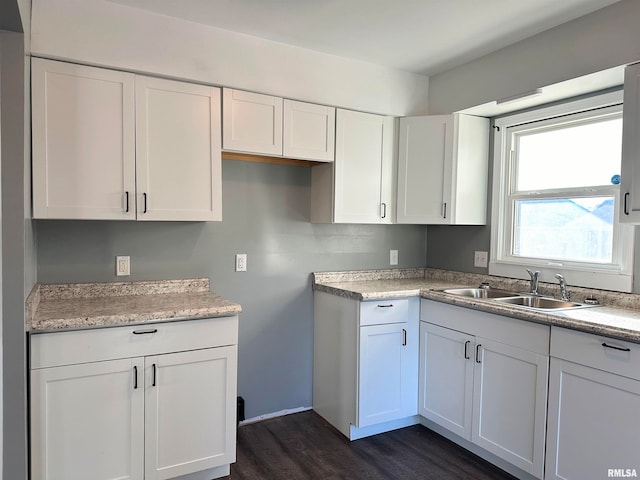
x,y
535,277
563,287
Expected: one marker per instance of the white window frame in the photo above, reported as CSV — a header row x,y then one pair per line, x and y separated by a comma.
x,y
617,276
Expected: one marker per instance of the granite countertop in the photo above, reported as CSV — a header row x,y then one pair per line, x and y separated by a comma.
x,y
53,308
618,316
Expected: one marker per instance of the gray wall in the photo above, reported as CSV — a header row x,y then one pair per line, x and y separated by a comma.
x,y
606,38
14,283
265,215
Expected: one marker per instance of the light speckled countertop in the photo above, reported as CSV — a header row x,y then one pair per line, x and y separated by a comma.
x,y
618,316
92,305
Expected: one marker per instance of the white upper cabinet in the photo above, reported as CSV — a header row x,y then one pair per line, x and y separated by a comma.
x,y
309,131
630,174
443,170
177,151
267,125
112,145
83,142
359,186
252,122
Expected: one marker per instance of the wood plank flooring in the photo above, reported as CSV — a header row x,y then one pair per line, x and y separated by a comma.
x,y
305,446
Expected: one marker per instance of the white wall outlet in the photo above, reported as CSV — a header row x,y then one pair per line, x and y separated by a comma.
x,y
241,262
393,257
481,259
123,266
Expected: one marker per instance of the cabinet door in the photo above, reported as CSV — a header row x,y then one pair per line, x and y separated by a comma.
x,y
509,403
630,174
424,164
178,151
446,378
309,131
252,122
385,385
363,176
87,421
83,142
593,422
190,411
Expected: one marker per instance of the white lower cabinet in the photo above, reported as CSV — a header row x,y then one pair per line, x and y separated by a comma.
x,y
484,378
161,415
365,363
594,400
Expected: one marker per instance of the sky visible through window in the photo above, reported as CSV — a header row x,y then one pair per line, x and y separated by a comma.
x,y
578,227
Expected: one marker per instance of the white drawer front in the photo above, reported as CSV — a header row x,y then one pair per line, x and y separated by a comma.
x,y
604,353
384,311
81,346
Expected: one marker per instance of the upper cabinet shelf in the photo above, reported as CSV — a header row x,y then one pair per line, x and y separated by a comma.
x,y
267,125
443,170
118,146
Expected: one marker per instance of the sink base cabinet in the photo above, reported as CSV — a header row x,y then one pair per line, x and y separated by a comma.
x,y
365,364
484,378
154,417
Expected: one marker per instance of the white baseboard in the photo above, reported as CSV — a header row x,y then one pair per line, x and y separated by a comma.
x,y
267,416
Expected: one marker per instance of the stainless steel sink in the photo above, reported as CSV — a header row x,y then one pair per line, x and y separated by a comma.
x,y
540,303
516,299
481,292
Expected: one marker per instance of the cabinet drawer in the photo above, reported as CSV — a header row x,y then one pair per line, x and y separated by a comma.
x,y
619,357
384,311
81,346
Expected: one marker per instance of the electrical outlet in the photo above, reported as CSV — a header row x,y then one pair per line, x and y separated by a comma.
x,y
481,259
393,257
241,262
123,266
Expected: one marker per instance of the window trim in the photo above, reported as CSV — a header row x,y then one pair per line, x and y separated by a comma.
x,y
606,277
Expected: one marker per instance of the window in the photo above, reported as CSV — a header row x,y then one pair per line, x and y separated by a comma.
x,y
556,194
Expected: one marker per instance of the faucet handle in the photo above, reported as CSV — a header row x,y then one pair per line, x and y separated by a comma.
x,y
533,275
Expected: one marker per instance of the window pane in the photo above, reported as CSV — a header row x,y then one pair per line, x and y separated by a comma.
x,y
574,155
572,229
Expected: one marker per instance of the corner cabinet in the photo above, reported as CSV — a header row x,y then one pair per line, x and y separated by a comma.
x,y
443,170
630,172
268,125
594,399
110,145
148,402
365,366
484,378
359,187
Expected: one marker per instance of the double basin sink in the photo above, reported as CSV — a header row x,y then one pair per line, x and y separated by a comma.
x,y
516,299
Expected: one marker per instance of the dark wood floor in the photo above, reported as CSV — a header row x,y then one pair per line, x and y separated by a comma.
x,y
305,446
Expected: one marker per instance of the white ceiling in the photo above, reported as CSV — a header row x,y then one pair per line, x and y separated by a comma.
x,y
421,36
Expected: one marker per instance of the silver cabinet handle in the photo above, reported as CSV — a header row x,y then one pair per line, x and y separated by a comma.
x,y
444,210
404,337
466,346
384,210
